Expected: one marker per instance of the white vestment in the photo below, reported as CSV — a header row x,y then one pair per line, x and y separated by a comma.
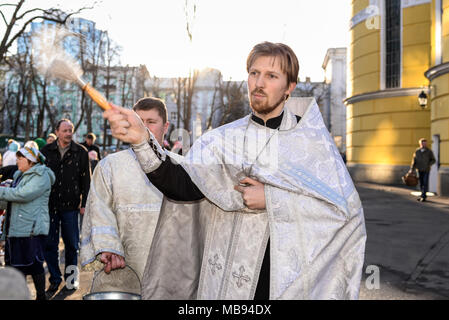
x,y
122,210
314,219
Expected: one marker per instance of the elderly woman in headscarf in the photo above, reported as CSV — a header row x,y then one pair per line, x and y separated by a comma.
x,y
27,219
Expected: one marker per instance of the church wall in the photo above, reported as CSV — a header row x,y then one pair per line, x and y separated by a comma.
x,y
385,131
439,92
382,130
416,45
364,62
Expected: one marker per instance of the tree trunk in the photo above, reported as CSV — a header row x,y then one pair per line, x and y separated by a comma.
x,y
27,124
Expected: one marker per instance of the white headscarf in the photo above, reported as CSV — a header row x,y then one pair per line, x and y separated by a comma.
x,y
32,154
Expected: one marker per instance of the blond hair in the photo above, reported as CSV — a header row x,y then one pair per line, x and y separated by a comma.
x,y
288,60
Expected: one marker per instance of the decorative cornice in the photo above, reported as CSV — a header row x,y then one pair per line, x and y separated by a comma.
x,y
370,11
374,8
383,94
437,71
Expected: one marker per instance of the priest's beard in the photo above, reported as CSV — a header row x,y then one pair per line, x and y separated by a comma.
x,y
264,108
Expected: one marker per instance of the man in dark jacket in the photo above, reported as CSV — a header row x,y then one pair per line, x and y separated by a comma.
x,y
70,163
423,159
90,145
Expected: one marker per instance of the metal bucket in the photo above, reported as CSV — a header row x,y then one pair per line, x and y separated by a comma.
x,y
112,295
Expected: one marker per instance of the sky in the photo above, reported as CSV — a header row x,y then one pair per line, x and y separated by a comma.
x,y
153,32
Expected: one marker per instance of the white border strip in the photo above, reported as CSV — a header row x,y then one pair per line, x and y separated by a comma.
x,y
401,26
382,45
412,3
438,32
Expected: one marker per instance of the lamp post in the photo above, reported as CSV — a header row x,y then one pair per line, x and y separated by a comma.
x,y
422,99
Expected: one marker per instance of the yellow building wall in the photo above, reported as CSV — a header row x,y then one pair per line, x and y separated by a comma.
x,y
440,115
440,93
359,5
364,56
416,45
387,130
432,33
445,31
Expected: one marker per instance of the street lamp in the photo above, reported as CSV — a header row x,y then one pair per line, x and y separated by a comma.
x,y
422,99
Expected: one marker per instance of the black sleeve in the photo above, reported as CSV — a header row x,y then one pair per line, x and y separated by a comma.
x,y
8,172
97,148
174,182
85,177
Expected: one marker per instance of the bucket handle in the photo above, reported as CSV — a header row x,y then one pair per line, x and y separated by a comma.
x,y
102,270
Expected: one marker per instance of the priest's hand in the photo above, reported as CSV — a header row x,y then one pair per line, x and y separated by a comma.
x,y
126,125
112,261
253,193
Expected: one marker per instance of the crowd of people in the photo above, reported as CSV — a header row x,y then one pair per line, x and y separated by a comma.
x,y
44,191
282,220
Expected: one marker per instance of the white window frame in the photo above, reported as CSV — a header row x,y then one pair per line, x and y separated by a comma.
x,y
438,31
383,47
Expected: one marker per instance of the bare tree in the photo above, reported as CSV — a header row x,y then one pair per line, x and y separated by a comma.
x,y
234,102
188,93
190,14
153,87
18,95
229,102
179,84
127,79
91,54
141,77
40,86
318,90
111,55
16,19
215,105
2,99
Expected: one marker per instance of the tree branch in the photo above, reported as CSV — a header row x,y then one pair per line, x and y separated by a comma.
x,y
4,18
52,14
29,11
8,4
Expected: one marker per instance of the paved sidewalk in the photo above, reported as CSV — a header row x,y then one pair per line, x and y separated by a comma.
x,y
85,281
407,240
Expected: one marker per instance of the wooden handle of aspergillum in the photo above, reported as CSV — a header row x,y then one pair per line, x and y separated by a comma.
x,y
97,97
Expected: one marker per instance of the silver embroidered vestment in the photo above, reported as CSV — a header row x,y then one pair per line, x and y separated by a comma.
x,y
314,219
121,214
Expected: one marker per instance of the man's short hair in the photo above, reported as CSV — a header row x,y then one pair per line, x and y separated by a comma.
x,y
91,136
287,58
63,120
422,139
151,103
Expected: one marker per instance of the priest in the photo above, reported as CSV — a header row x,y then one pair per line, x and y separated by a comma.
x,y
277,215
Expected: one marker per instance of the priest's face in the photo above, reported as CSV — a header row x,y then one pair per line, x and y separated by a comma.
x,y
153,121
268,87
